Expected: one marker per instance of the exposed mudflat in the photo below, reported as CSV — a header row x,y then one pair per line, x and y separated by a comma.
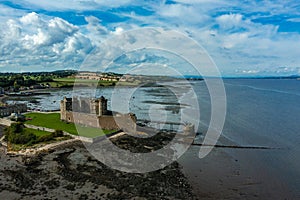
x,y
71,172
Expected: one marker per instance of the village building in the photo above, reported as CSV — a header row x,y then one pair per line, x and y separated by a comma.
x,y
94,113
17,117
37,86
7,110
1,90
96,76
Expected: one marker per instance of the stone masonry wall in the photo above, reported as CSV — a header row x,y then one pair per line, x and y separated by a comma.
x,y
105,122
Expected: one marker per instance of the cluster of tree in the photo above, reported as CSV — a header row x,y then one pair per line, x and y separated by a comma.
x,y
18,134
31,78
50,136
16,80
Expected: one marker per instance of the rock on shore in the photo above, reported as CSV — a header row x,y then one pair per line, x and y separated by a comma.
x,y
71,172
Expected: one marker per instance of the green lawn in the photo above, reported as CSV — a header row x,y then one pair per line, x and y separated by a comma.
x,y
72,80
38,133
79,81
65,79
69,82
52,120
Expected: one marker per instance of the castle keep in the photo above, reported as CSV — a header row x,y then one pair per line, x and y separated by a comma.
x,y
94,113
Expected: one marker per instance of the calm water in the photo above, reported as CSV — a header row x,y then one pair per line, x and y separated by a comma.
x,y
259,113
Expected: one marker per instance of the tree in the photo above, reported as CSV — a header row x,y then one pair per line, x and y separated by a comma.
x,y
16,85
58,133
16,128
18,135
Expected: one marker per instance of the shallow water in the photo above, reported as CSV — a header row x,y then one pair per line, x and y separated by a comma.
x,y
259,113
263,113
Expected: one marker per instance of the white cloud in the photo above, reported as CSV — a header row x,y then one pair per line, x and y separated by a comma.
x,y
44,32
13,31
207,5
77,44
229,20
234,39
62,25
32,40
74,4
31,18
183,14
8,12
119,30
250,71
297,20
235,33
95,30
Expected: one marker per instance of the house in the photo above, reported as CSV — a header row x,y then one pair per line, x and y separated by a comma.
x,y
7,110
37,86
17,117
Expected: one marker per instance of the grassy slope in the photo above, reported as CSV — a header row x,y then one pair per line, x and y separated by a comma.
x,y
52,120
37,132
70,82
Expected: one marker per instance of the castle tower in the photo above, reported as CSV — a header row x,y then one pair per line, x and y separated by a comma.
x,y
76,104
65,105
85,105
94,106
102,106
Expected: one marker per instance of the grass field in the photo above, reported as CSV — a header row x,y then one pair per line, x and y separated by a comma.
x,y
38,133
69,82
52,120
72,80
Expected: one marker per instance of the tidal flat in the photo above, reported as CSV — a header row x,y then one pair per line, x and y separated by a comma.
x,y
71,172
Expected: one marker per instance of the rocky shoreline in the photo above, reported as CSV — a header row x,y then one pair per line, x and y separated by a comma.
x,y
71,172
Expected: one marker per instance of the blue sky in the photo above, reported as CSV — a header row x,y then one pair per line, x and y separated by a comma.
x,y
244,38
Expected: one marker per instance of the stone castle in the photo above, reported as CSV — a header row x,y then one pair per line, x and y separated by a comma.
x,y
94,113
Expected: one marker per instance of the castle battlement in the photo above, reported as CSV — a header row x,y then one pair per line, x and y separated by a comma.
x,y
85,105
94,113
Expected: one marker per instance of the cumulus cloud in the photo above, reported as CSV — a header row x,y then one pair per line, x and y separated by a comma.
x,y
32,40
94,25
119,30
183,14
43,32
248,36
74,4
31,18
229,20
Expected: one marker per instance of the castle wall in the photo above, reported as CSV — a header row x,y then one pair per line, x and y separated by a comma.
x,y
105,121
94,113
108,122
63,111
126,122
82,118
